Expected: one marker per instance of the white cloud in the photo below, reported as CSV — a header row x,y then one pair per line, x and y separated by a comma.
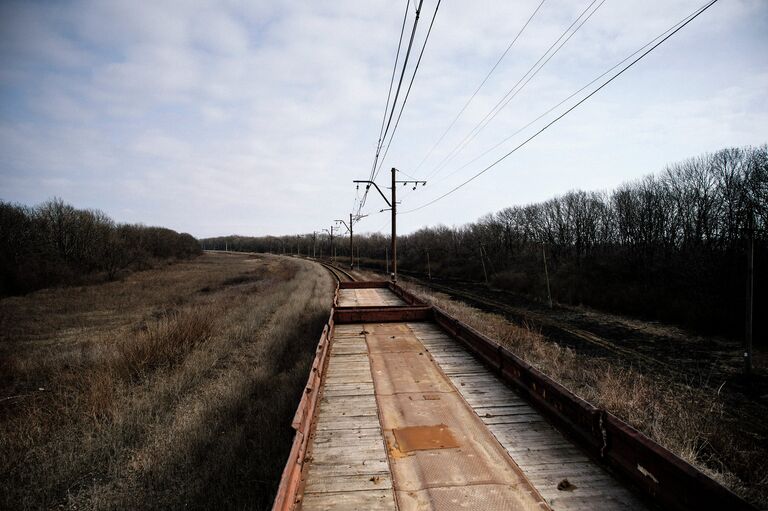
x,y
216,117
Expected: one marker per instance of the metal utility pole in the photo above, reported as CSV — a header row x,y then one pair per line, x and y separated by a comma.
x,y
546,274
750,298
482,260
331,254
429,270
351,245
314,244
386,256
394,226
352,220
393,207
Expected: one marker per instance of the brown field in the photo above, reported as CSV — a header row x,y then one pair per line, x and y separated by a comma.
x,y
173,388
691,420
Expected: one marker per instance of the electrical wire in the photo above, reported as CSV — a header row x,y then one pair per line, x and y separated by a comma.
x,y
472,97
394,103
389,95
569,110
512,92
571,96
408,92
402,73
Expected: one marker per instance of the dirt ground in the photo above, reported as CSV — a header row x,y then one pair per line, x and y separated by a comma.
x,y
172,388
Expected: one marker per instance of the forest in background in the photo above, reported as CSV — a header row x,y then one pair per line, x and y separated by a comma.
x,y
56,244
671,246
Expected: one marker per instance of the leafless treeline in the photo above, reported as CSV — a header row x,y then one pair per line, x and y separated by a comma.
x,y
704,203
55,243
669,246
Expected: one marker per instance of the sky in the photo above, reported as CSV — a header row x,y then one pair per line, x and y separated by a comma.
x,y
253,118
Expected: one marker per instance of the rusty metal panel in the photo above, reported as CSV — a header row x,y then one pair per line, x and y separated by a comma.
x,y
364,284
407,372
392,341
424,438
381,314
290,480
663,475
406,296
455,498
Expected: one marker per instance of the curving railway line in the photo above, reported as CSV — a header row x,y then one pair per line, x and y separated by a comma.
x,y
339,274
408,408
579,335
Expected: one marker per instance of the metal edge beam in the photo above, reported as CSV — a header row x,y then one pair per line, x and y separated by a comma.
x,y
382,314
291,478
667,479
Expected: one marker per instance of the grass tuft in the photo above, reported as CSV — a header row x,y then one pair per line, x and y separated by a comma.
x,y
164,343
148,394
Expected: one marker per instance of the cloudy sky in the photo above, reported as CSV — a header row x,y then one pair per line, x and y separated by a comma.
x,y
253,118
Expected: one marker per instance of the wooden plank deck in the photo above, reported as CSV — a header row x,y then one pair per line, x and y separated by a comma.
x,y
347,460
367,297
407,419
441,454
544,454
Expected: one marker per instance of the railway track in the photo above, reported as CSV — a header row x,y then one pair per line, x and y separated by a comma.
x,y
540,320
339,274
678,358
408,408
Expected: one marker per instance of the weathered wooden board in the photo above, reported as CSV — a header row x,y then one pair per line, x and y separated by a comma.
x,y
347,466
543,454
373,500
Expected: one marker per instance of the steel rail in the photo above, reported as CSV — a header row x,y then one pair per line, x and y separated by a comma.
x,y
338,273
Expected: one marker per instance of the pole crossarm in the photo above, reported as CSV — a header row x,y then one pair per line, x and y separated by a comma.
x,y
369,183
392,203
411,182
344,223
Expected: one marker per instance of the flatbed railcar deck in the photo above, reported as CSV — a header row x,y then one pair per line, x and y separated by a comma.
x,y
407,408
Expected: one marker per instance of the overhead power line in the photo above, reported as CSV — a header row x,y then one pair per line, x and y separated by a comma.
x,y
374,170
402,73
389,95
569,110
394,101
408,92
557,45
571,96
391,82
514,90
472,97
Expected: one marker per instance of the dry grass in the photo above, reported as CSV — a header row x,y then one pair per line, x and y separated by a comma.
x,y
689,420
174,388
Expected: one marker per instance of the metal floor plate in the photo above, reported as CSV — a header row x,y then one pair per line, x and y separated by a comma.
x,y
409,420
466,468
541,452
